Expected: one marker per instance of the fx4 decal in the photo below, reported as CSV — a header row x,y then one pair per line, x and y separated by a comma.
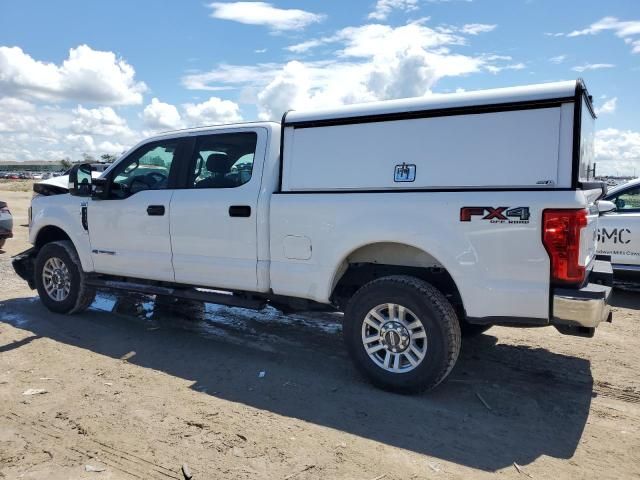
x,y
496,215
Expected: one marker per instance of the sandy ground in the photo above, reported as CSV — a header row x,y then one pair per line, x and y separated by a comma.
x,y
139,391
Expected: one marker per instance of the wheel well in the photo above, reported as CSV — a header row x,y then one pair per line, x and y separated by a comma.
x,y
50,234
384,259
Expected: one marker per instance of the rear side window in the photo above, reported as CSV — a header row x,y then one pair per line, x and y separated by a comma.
x,y
223,160
587,135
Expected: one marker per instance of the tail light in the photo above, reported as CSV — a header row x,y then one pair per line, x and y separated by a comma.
x,y
561,238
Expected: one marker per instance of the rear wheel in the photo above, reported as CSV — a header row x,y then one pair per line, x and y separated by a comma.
x,y
60,280
402,333
2,241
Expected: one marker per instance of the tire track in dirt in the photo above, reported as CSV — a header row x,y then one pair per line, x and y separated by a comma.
x,y
120,460
625,394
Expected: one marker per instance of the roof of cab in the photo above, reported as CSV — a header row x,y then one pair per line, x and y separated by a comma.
x,y
530,93
207,128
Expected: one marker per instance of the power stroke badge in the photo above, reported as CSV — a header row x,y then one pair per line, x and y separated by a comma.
x,y
496,214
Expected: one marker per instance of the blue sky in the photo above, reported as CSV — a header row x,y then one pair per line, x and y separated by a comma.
x,y
95,77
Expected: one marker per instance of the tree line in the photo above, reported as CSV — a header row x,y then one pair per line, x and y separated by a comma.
x,y
87,158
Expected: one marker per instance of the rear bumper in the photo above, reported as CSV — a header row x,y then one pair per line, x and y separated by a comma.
x,y
24,265
586,307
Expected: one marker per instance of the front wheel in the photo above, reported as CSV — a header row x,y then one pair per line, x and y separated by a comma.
x,y
60,280
402,333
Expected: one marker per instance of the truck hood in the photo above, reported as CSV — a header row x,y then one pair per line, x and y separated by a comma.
x,y
62,182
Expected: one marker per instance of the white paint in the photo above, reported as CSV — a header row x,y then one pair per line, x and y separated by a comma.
x,y
620,230
140,243
518,148
538,92
211,248
297,247
500,269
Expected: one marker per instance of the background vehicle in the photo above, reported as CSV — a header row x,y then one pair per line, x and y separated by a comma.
x,y
619,230
417,218
6,223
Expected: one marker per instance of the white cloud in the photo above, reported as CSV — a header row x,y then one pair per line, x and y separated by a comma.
x,y
608,107
495,69
81,143
622,29
559,59
477,28
592,66
99,121
262,13
230,75
17,115
384,7
30,131
112,148
161,116
86,75
308,45
635,45
617,151
370,62
212,111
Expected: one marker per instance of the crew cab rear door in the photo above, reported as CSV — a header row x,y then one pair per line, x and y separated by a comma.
x,y
214,216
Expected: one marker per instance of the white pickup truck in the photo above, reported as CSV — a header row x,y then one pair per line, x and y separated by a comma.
x,y
418,218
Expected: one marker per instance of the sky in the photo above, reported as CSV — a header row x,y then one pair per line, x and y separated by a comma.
x,y
96,77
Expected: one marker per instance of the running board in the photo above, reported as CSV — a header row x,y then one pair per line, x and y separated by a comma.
x,y
201,295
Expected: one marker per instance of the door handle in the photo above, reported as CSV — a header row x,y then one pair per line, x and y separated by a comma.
x,y
239,211
155,210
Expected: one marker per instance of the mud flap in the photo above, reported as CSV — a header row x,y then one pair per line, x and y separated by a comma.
x,y
24,264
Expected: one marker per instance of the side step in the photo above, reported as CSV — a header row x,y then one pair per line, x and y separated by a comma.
x,y
202,295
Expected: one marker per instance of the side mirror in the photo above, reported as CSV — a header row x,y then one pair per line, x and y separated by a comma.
x,y
100,188
80,180
605,206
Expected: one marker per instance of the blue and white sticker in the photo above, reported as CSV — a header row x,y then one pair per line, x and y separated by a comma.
x,y
405,172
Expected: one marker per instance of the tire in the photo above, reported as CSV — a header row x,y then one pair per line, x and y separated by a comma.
x,y
2,242
62,254
469,330
423,303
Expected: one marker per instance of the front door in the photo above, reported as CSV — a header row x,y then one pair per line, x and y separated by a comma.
x,y
213,219
129,231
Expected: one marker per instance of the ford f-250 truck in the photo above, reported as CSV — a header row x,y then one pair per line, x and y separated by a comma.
x,y
418,218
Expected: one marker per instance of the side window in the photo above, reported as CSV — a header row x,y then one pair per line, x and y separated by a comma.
x,y
224,160
628,200
147,168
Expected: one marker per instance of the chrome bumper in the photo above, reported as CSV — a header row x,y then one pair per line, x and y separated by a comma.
x,y
584,308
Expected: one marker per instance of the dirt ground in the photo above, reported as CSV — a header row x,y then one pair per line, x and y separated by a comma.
x,y
137,391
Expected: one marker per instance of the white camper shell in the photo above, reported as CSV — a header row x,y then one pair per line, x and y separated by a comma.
x,y
536,136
